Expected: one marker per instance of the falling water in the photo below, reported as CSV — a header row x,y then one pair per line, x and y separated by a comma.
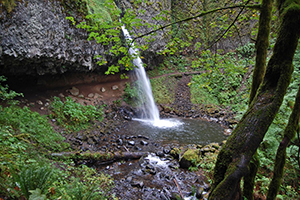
x,y
150,113
149,110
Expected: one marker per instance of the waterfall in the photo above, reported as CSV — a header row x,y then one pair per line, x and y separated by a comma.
x,y
149,109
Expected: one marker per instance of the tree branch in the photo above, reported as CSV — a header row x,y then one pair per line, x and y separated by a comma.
x,y
255,6
220,37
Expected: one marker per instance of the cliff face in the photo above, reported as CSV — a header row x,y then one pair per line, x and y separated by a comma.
x,y
36,39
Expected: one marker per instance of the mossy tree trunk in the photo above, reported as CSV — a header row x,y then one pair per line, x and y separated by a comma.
x,y
234,158
289,134
262,44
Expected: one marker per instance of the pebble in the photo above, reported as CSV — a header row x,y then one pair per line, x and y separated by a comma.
x,y
132,143
119,141
143,142
160,153
115,87
74,91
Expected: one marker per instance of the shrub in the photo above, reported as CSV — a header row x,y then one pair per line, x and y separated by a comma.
x,y
74,116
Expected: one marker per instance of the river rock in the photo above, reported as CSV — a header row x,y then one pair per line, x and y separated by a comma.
x,y
119,141
74,91
190,158
132,143
143,142
138,184
114,87
91,95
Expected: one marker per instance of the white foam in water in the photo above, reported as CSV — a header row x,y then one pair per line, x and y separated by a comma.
x,y
154,160
161,123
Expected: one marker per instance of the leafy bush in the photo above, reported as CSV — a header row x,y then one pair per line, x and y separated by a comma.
x,y
22,127
222,80
6,94
130,95
72,115
163,89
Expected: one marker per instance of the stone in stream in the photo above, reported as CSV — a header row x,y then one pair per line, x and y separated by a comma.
x,y
138,184
144,142
119,141
132,143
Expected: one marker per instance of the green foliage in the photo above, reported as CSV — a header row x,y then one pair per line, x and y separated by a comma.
x,y
81,183
20,126
163,89
6,94
33,177
8,4
221,82
130,95
26,140
104,26
72,115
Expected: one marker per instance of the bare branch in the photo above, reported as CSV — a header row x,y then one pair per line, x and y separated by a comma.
x,y
222,35
255,6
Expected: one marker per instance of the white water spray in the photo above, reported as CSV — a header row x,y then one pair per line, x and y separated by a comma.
x,y
149,110
150,113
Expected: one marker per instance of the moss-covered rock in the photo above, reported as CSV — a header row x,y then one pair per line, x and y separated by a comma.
x,y
190,158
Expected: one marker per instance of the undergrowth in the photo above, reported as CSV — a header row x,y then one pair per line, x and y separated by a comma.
x,y
290,187
26,169
72,115
223,81
163,89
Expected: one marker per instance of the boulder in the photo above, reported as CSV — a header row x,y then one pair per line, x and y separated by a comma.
x,y
190,158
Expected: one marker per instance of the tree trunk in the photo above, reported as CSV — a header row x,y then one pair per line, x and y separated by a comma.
x,y
289,134
262,44
234,158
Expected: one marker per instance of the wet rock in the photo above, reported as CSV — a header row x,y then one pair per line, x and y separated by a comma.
x,y
160,153
199,192
132,143
90,141
81,96
190,158
144,137
129,179
215,145
138,148
227,131
167,150
175,152
119,141
61,95
144,142
138,184
175,196
74,91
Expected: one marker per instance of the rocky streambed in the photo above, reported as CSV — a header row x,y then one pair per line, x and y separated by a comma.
x,y
162,169
143,167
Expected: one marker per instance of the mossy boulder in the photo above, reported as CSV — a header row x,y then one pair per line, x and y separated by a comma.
x,y
190,158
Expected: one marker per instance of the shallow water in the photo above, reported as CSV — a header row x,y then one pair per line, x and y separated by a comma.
x,y
184,131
